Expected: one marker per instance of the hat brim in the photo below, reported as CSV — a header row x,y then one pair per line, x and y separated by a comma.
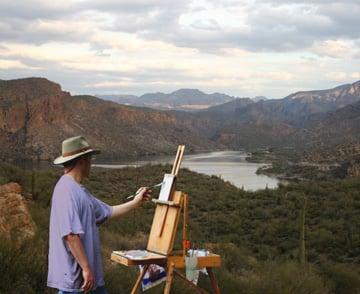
x,y
62,159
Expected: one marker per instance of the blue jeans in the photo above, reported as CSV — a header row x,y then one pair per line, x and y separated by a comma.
x,y
98,290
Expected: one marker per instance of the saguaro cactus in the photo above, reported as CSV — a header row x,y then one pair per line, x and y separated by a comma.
x,y
302,255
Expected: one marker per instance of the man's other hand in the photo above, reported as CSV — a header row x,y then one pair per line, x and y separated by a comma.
x,y
89,280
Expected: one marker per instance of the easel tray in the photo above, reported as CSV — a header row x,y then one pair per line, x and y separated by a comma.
x,y
129,258
122,257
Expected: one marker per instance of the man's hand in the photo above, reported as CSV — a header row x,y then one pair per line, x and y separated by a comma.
x,y
142,195
89,280
77,250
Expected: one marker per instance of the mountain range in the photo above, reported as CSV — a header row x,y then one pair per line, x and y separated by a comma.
x,y
182,99
311,118
36,115
296,109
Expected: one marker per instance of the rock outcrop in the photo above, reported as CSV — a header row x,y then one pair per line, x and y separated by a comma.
x,y
15,220
353,168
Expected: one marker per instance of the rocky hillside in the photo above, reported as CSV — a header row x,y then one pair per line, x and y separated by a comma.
x,y
335,137
312,118
36,115
297,109
15,220
339,96
336,127
231,107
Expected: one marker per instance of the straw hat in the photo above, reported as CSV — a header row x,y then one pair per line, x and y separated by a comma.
x,y
73,148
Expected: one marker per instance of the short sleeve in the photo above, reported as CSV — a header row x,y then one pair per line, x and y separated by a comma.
x,y
102,210
67,214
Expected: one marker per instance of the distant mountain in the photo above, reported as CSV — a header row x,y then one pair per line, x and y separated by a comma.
x,y
36,115
335,139
296,109
121,99
259,98
183,99
307,119
287,121
336,127
230,107
339,96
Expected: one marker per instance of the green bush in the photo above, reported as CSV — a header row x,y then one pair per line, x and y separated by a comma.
x,y
343,278
256,233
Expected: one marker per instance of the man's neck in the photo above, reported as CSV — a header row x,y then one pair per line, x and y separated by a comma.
x,y
77,176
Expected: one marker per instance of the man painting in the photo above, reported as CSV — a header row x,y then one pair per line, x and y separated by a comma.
x,y
75,263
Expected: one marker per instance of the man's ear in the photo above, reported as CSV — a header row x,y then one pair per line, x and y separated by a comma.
x,y
82,160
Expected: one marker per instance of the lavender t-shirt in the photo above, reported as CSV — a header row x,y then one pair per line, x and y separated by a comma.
x,y
74,210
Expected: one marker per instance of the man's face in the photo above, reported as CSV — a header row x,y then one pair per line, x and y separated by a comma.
x,y
86,165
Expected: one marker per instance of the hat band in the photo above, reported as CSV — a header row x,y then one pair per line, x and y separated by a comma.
x,y
66,154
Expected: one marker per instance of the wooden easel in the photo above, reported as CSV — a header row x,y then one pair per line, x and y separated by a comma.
x,y
161,242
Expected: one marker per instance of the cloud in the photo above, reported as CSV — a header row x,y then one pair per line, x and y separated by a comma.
x,y
241,47
34,9
41,31
355,75
270,26
136,6
13,64
206,24
123,83
336,48
337,76
260,26
342,76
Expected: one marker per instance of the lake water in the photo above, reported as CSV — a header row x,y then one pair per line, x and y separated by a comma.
x,y
229,165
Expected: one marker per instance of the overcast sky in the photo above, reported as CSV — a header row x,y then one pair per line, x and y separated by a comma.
x,y
238,47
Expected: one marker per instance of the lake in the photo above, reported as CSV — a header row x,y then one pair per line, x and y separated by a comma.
x,y
229,165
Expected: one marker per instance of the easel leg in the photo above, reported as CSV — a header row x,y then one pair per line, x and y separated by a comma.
x,y
214,284
139,279
169,278
198,289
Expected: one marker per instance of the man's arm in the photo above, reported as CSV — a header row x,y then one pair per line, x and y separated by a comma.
x,y
77,250
142,195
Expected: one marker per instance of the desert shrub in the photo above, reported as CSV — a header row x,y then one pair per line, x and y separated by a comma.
x,y
256,233
343,278
23,268
287,278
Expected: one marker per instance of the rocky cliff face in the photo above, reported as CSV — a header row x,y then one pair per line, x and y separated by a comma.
x,y
15,220
29,103
30,108
36,116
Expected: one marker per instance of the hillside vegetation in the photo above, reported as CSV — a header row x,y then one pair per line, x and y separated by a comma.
x,y
256,233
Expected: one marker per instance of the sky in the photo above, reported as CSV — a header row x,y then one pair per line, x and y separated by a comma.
x,y
242,48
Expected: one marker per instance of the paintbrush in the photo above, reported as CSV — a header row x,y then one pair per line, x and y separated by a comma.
x,y
157,185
